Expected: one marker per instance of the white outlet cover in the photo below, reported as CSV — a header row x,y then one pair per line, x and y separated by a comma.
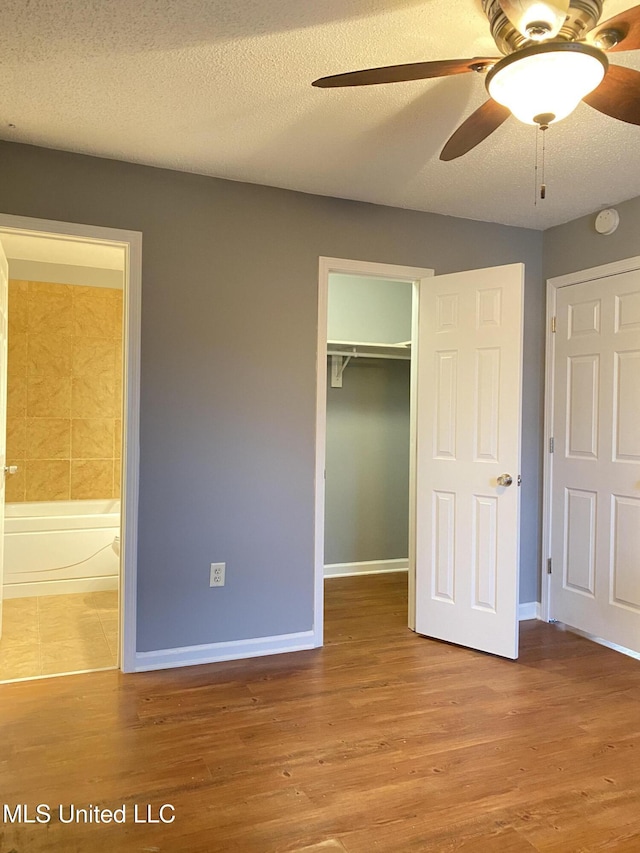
x,y
217,574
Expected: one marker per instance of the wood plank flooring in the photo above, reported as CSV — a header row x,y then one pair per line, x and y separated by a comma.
x,y
381,742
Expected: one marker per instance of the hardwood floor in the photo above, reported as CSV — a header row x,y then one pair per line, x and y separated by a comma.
x,y
382,742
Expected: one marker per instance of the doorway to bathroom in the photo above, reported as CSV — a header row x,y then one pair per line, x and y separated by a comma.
x,y
70,486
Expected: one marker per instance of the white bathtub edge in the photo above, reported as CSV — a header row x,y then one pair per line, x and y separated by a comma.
x,y
60,547
57,509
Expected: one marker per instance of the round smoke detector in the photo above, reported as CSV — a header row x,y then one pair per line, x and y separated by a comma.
x,y
607,221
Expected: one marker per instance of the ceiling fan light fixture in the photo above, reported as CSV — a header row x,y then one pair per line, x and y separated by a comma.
x,y
537,20
547,79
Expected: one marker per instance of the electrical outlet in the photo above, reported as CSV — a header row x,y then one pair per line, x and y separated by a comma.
x,y
216,578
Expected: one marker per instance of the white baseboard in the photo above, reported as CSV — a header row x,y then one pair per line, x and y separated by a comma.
x,y
68,586
632,653
239,649
528,610
233,650
369,567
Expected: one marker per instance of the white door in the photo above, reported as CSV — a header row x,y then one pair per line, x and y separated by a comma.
x,y
469,424
595,542
4,300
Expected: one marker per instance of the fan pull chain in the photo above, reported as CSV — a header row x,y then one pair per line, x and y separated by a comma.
x,y
543,186
543,122
535,174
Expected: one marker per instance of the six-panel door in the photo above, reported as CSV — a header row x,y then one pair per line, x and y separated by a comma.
x,y
468,436
595,582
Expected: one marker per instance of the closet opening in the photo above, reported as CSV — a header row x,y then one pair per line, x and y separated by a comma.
x,y
368,425
366,429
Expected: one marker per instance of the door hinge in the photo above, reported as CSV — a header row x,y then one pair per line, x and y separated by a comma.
x,y
553,324
549,565
552,445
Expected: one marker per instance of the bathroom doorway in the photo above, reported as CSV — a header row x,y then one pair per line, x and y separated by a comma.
x,y
71,319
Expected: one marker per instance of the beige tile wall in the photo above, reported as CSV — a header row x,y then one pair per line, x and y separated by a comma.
x,y
64,391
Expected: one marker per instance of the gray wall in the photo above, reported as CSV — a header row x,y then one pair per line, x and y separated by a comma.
x,y
577,245
229,319
373,310
367,463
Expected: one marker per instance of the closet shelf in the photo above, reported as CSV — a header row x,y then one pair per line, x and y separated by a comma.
x,y
355,349
342,352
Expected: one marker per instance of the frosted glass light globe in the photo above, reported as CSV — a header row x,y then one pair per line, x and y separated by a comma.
x,y
546,80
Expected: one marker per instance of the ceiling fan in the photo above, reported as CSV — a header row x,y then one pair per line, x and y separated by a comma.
x,y
554,56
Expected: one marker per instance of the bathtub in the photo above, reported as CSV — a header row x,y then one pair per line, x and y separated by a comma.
x,y
50,547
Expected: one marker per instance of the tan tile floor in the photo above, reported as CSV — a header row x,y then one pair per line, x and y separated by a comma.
x,y
51,634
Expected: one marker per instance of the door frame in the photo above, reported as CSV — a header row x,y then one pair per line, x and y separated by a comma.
x,y
368,269
553,284
131,242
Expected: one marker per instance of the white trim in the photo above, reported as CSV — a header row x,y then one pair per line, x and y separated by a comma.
x,y
130,451
413,450
321,440
580,277
370,270
599,640
66,586
217,652
528,610
367,567
131,242
547,466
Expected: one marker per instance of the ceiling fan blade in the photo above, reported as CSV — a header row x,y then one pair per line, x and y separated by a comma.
x,y
401,73
618,95
625,28
474,129
536,19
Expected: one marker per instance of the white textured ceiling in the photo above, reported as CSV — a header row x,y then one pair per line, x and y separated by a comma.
x,y
223,87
